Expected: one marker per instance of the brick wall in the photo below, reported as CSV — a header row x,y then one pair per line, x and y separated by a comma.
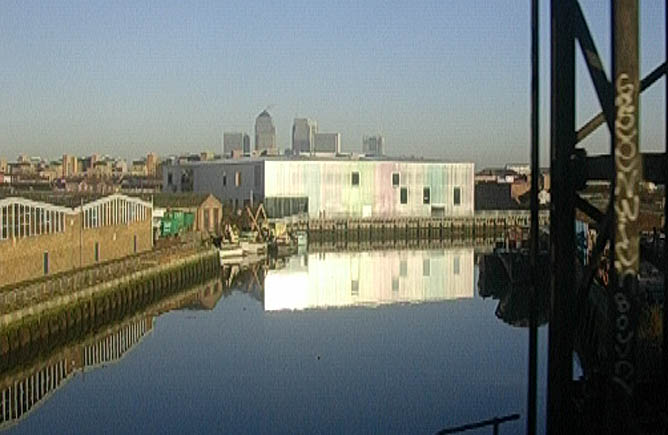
x,y
23,259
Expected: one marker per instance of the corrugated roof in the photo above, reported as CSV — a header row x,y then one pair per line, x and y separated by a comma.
x,y
70,200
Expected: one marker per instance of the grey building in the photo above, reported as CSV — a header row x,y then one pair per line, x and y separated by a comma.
x,y
332,187
235,182
373,145
246,146
265,133
303,135
239,142
327,143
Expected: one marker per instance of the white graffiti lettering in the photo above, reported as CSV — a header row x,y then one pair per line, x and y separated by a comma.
x,y
627,201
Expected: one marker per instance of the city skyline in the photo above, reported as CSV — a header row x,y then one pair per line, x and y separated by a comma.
x,y
446,80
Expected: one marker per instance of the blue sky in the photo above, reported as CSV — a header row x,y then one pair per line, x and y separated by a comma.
x,y
445,79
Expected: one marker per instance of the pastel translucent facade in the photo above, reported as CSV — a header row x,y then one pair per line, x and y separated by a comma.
x,y
339,188
340,279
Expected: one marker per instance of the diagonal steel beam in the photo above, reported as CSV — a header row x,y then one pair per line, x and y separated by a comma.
x,y
589,209
595,66
599,119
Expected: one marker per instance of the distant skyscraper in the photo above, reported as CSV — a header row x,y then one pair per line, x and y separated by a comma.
x,y
329,143
303,135
373,145
152,164
70,165
246,145
232,142
265,133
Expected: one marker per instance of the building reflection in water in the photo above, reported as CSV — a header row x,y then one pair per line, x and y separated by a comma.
x,y
340,279
20,394
29,384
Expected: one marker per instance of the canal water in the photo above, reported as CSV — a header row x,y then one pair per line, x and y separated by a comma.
x,y
337,342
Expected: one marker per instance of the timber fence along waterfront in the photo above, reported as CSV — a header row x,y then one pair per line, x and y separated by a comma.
x,y
483,225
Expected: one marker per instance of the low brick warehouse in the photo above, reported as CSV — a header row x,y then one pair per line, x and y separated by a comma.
x,y
40,238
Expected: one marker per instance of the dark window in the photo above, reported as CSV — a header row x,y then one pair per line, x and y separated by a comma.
x,y
187,180
170,178
354,288
135,244
206,219
356,179
457,199
426,195
224,179
257,174
395,179
97,251
46,263
404,195
437,211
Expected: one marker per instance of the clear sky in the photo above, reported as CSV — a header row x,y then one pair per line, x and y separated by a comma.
x,y
446,78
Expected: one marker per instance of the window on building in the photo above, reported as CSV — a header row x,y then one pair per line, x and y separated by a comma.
x,y
135,244
170,179
216,219
97,251
237,178
4,223
224,179
355,179
395,285
403,268
404,195
457,196
455,265
257,175
46,262
426,267
206,219
395,179
354,287
426,195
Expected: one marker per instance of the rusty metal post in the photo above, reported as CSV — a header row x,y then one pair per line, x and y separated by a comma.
x,y
562,217
535,174
628,174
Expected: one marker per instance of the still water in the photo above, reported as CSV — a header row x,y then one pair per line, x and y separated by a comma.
x,y
338,342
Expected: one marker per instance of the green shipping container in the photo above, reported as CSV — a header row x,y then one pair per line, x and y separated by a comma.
x,y
175,222
188,221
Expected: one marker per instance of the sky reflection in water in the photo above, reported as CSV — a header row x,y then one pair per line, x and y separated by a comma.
x,y
410,348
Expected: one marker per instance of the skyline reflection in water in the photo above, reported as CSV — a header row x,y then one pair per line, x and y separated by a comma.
x,y
340,279
268,355
30,378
